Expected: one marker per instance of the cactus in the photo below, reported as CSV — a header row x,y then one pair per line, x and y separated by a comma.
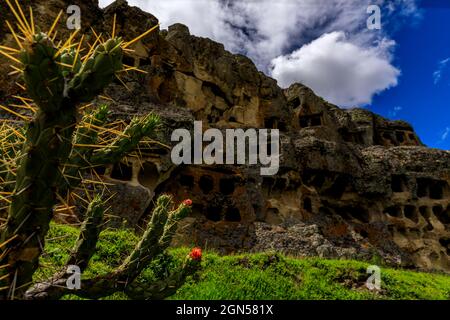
x,y
55,152
153,243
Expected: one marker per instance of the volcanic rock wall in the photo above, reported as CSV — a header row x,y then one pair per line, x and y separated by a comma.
x,y
351,184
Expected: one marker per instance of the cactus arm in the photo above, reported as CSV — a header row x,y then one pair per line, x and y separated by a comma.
x,y
153,243
71,63
97,72
132,135
145,249
80,256
171,226
78,159
42,74
164,288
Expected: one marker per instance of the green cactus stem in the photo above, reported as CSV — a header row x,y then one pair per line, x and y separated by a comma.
x,y
97,72
79,158
155,240
90,230
164,288
139,128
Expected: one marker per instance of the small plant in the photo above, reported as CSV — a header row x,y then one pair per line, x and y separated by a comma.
x,y
46,160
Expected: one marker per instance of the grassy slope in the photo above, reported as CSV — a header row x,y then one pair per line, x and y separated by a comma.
x,y
251,276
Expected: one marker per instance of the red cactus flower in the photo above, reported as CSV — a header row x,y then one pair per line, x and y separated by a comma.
x,y
196,254
187,202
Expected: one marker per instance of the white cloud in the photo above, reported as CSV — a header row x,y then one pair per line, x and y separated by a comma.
x,y
267,29
337,70
437,75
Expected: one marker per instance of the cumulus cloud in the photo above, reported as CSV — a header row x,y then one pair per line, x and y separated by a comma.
x,y
267,29
338,70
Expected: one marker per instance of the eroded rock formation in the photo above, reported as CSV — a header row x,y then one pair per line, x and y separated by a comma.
x,y
351,183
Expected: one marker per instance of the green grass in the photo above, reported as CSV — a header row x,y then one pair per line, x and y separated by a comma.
x,y
250,276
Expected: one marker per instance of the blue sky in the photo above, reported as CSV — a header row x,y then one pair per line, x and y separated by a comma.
x,y
422,97
401,71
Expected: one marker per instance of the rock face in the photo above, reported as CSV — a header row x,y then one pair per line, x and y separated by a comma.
x,y
351,184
